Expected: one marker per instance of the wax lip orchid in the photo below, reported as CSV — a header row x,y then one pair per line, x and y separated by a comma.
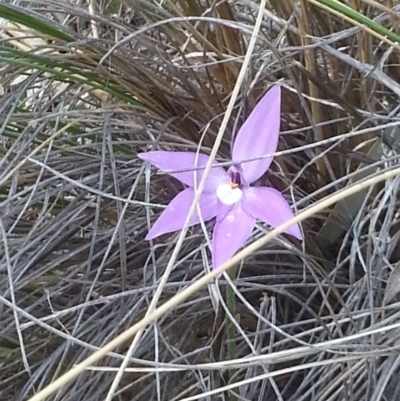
x,y
227,195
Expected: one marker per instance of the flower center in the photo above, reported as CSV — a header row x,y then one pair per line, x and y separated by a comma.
x,y
229,194
236,179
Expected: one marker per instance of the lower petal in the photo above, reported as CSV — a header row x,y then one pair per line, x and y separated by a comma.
x,y
223,210
230,234
174,216
269,206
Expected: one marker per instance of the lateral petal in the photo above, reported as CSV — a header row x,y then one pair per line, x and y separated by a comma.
x,y
259,136
174,216
187,161
230,234
269,206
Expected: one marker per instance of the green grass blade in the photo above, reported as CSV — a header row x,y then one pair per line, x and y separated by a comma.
x,y
34,21
360,18
64,72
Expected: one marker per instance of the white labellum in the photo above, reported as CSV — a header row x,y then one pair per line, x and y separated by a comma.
x,y
228,195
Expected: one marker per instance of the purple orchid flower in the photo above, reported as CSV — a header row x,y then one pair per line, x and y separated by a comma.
x,y
227,195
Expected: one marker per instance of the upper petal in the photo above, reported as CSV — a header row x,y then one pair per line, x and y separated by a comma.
x,y
174,216
259,136
187,161
269,205
230,234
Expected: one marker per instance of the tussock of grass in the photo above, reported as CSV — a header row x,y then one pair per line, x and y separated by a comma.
x,y
84,88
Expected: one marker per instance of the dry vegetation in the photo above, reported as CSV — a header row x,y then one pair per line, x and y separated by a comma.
x,y
84,88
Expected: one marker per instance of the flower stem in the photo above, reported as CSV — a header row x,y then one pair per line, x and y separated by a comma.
x,y
230,327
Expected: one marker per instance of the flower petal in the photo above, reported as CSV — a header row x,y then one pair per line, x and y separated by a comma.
x,y
230,234
269,206
259,136
223,210
174,216
186,161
